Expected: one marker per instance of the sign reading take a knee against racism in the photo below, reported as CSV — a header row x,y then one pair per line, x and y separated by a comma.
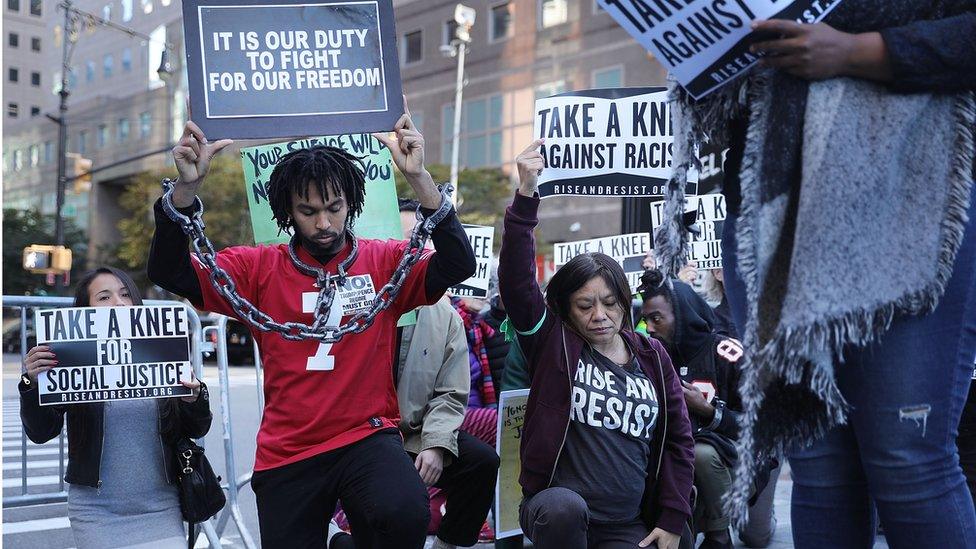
x,y
608,142
628,249
481,239
290,68
705,43
114,353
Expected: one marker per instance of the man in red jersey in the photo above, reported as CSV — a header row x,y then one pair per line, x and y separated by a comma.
x,y
329,429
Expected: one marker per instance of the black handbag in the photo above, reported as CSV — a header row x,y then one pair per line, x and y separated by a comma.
x,y
201,496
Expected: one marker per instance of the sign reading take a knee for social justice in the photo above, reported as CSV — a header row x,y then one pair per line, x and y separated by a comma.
x,y
292,67
705,43
705,247
628,249
481,239
607,142
114,353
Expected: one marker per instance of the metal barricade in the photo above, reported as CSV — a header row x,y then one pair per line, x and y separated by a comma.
x,y
233,482
33,302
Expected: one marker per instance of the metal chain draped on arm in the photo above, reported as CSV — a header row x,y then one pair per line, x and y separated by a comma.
x,y
327,283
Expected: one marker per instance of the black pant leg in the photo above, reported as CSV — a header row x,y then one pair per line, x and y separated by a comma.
x,y
295,502
382,494
966,441
469,482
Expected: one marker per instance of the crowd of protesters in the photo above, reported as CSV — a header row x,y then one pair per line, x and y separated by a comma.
x,y
653,423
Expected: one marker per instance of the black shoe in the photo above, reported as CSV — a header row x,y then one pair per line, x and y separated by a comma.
x,y
710,543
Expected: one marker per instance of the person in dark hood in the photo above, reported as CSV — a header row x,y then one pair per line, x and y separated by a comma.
x,y
707,364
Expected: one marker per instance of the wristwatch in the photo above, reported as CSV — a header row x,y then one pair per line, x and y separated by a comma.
x,y
719,411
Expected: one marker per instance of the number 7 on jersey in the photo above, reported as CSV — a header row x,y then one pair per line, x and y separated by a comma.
x,y
322,360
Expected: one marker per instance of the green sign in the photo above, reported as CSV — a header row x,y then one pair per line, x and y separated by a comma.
x,y
381,215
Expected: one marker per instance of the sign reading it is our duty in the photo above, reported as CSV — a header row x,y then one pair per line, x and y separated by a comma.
x,y
289,68
114,353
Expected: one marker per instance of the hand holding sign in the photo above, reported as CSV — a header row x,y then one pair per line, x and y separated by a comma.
x,y
39,360
530,165
819,51
192,155
193,385
407,149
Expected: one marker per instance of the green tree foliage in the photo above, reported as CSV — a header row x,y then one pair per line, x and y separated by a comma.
x,y
22,228
225,212
483,194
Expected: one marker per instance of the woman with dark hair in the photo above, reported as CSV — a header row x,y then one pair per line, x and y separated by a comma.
x,y
607,451
120,470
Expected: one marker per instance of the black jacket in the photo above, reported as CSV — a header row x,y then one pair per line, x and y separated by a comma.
x,y
496,346
702,356
85,421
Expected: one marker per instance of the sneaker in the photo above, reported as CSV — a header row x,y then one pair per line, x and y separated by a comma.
x,y
334,530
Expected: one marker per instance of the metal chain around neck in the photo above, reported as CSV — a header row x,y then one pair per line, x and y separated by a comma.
x,y
222,282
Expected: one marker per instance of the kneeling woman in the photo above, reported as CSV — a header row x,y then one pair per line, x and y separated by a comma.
x,y
120,469
607,452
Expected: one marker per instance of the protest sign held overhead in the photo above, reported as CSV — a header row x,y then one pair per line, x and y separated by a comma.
x,y
114,353
628,249
704,248
705,43
291,68
481,239
508,492
610,142
380,218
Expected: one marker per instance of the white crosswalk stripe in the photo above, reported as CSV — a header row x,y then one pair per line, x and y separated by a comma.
x,y
39,525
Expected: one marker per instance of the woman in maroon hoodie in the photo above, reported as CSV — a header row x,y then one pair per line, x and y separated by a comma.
x,y
607,452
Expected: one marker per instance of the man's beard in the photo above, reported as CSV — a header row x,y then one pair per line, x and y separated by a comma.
x,y
321,252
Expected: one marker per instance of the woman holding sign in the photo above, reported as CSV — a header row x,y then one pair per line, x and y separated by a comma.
x,y
122,478
607,453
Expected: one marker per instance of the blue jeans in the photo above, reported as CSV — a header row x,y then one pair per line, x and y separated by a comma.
x,y
896,458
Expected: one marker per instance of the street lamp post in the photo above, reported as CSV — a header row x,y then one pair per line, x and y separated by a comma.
x,y
69,37
464,17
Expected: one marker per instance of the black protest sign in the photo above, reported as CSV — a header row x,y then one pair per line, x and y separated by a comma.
x,y
481,239
114,353
705,44
292,68
705,246
628,249
609,142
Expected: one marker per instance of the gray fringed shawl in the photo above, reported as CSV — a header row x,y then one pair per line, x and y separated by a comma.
x,y
839,178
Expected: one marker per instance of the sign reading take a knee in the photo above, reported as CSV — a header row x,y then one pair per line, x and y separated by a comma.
x,y
114,353
606,142
705,44
290,68
481,239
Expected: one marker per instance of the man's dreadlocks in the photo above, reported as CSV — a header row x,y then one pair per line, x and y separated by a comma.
x,y
319,165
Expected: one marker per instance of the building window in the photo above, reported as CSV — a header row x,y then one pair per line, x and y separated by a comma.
x,y
33,155
18,160
35,44
107,12
90,71
608,78
48,152
13,40
13,5
481,135
550,89
413,47
500,23
13,75
126,10
123,130
35,111
147,6
145,125
36,79
418,120
164,3
450,31
552,13
127,60
107,63
35,7
82,142
101,137
12,110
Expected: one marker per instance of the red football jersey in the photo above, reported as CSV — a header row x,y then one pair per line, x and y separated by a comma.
x,y
319,397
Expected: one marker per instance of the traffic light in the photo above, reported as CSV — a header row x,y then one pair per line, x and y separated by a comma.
x,y
80,172
42,258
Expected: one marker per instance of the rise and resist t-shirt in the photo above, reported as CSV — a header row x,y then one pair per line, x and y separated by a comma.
x,y
319,397
613,412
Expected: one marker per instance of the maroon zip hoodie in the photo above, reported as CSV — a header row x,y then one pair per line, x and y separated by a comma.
x,y
552,352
